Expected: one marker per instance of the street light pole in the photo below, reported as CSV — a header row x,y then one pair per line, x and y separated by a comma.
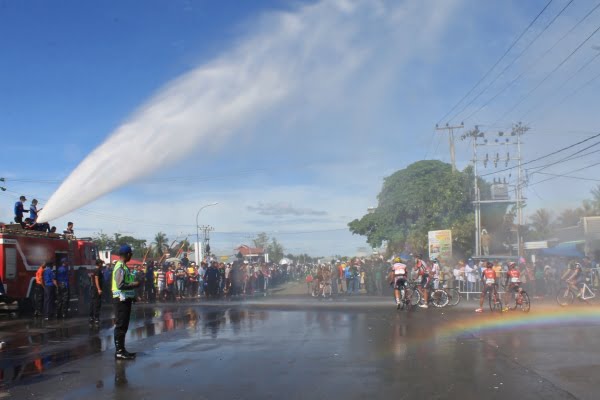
x,y
198,232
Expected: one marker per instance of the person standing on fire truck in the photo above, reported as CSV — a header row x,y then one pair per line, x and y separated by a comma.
x,y
20,210
62,278
123,291
49,290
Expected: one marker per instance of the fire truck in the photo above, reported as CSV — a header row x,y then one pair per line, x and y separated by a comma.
x,y
22,252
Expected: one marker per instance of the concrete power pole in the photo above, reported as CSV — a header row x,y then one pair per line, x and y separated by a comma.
x,y
450,130
204,248
503,143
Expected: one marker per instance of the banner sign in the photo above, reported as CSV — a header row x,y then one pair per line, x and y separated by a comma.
x,y
440,244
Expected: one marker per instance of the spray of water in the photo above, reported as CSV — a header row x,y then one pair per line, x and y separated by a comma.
x,y
305,54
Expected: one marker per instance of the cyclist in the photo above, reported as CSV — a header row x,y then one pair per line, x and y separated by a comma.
x,y
575,278
397,278
512,282
424,272
489,283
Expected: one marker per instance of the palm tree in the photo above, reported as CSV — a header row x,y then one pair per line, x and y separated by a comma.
x,y
160,240
541,221
596,199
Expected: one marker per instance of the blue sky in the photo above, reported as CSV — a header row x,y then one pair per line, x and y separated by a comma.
x,y
362,86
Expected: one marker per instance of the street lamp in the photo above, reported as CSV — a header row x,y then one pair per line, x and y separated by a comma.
x,y
198,231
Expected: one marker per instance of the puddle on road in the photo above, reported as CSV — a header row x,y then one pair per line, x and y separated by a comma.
x,y
36,347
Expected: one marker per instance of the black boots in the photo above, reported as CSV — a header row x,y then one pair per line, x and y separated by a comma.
x,y
121,353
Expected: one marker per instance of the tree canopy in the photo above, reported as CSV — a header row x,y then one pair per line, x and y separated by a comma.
x,y
424,196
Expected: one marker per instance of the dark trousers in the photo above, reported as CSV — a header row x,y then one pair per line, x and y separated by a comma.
x,y
122,315
150,292
49,299
95,305
38,299
62,300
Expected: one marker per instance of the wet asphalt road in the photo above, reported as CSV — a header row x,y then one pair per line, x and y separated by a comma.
x,y
301,349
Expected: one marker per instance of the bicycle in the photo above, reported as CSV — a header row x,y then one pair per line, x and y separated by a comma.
x,y
453,296
494,300
437,297
566,295
409,297
522,301
326,290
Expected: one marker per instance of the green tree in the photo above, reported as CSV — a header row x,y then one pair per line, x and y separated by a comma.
x,y
275,250
160,242
595,201
541,223
424,196
104,241
261,240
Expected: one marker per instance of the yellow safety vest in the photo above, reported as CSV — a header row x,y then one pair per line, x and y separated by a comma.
x,y
128,279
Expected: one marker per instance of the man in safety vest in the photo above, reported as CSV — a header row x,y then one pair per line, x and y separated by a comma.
x,y
123,291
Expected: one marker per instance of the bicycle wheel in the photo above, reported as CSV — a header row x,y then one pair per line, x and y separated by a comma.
x,y
525,303
439,298
565,297
413,297
495,303
453,297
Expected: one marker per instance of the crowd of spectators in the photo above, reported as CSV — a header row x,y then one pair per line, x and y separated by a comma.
x,y
177,281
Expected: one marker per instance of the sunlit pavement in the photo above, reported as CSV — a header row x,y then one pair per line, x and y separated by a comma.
x,y
299,348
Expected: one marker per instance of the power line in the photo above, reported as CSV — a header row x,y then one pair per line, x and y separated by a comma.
x,y
568,158
548,75
569,176
535,62
566,173
507,67
496,63
573,93
545,156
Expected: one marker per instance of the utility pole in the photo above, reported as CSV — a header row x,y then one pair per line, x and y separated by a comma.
x,y
450,130
507,142
206,229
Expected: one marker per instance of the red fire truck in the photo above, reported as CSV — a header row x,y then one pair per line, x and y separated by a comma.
x,y
23,251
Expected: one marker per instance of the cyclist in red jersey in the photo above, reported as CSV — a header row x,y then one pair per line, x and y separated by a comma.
x,y
424,274
512,282
489,283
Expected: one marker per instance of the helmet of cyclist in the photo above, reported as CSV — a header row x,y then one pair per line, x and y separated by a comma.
x,y
435,260
512,265
577,266
397,260
489,264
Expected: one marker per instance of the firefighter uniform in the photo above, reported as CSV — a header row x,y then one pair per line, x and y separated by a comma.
x,y
49,279
62,279
38,292
123,291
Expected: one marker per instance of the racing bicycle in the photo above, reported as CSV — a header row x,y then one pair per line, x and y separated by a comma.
x,y
437,297
494,299
409,296
522,302
567,294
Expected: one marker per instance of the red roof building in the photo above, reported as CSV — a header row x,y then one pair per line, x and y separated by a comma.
x,y
253,254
